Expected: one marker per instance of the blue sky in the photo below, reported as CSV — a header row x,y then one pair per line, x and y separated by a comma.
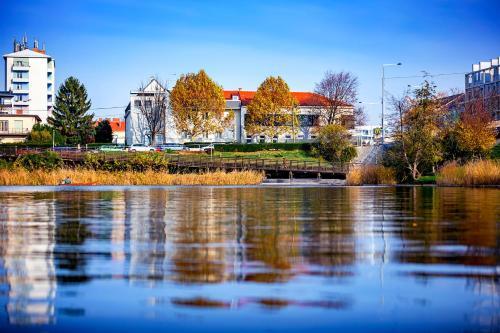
x,y
113,45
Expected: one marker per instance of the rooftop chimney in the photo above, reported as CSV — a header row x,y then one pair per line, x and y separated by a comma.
x,y
35,44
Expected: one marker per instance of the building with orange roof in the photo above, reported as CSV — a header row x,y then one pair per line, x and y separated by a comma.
x,y
236,102
118,127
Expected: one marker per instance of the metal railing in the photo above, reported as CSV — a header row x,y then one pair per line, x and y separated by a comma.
x,y
197,161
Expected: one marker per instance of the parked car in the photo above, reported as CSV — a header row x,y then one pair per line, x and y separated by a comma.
x,y
140,147
206,148
171,146
111,148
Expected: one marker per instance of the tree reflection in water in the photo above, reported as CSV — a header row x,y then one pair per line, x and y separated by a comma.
x,y
259,243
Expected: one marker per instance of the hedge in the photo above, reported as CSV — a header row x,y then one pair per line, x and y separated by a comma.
x,y
254,147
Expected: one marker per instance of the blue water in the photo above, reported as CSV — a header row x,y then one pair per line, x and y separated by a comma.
x,y
249,259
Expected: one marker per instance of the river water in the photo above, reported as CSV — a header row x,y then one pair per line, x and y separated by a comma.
x,y
249,259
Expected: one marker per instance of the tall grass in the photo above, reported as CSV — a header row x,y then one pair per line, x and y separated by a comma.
x,y
20,176
371,175
482,172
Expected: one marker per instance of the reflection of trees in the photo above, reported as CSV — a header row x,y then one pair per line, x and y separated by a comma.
x,y
199,236
449,225
72,209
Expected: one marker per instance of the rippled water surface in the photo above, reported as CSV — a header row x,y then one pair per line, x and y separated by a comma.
x,y
249,259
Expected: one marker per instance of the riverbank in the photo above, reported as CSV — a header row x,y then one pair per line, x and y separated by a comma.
x,y
19,176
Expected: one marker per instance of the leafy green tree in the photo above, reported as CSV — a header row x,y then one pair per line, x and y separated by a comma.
x,y
198,105
103,132
70,114
417,131
42,134
272,110
334,145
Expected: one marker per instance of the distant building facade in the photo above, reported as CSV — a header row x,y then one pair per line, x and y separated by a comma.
x,y
14,124
236,103
365,135
483,82
30,76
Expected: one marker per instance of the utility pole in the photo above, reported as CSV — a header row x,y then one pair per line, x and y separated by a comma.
x,y
383,98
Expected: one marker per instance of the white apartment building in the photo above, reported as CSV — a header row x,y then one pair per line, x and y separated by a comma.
x,y
366,134
30,76
484,82
236,103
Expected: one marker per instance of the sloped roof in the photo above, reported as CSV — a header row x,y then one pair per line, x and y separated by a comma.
x,y
303,98
27,53
117,125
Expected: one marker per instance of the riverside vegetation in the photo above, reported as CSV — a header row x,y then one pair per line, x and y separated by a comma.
x,y
143,169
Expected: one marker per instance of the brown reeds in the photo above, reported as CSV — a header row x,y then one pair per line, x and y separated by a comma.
x,y
20,176
481,172
371,175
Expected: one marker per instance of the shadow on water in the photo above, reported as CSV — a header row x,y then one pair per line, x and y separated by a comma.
x,y
254,250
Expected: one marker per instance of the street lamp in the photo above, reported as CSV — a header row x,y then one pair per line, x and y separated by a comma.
x,y
383,90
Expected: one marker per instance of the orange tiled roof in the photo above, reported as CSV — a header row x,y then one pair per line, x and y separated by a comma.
x,y
303,98
117,125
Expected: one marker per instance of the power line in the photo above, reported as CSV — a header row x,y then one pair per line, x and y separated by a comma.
x,y
425,75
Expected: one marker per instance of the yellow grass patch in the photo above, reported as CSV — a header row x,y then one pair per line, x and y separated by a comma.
x,y
371,175
21,176
482,172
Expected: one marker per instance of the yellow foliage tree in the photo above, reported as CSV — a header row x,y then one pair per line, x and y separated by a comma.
x,y
198,105
272,110
474,131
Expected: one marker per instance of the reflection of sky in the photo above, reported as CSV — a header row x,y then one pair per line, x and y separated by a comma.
x,y
212,259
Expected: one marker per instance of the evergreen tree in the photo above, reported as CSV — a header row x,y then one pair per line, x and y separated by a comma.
x,y
70,115
103,132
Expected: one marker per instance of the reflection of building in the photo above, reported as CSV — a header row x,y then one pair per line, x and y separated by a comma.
x,y
29,74
236,103
484,83
26,247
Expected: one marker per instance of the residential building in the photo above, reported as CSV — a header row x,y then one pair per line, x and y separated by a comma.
x,y
365,135
483,82
118,127
14,125
30,76
237,103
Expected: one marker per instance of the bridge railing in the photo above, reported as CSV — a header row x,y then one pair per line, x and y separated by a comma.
x,y
198,160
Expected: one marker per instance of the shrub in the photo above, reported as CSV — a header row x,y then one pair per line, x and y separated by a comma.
x,y
47,160
495,152
481,172
137,162
371,175
334,144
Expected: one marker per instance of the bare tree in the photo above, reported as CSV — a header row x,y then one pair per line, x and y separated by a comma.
x,y
359,116
338,90
152,106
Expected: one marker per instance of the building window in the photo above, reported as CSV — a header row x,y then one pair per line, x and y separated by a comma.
x,y
4,125
249,139
262,139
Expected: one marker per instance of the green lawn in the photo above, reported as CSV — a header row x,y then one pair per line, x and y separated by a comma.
x,y
271,154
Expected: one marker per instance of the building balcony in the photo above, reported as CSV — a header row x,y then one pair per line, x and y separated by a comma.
x,y
20,67
20,91
20,79
15,132
21,103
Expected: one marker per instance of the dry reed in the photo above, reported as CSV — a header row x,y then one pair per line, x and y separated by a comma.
x,y
371,175
19,176
482,172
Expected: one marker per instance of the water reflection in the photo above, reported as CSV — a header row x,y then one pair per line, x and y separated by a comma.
x,y
349,249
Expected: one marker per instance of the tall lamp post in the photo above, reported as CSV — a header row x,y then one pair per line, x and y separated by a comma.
x,y
383,91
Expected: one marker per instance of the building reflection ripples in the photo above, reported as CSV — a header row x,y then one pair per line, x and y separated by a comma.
x,y
341,249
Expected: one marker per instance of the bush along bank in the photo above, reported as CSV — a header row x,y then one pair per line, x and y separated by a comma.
x,y
371,175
